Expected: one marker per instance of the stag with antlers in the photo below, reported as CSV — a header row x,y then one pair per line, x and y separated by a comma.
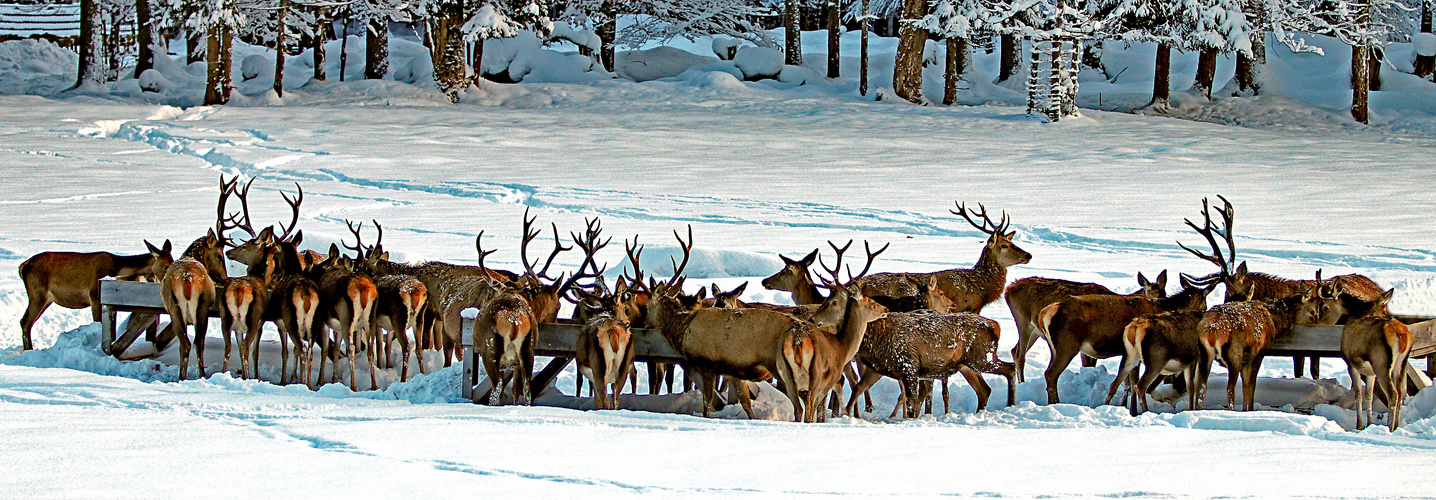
x,y
1244,285
968,289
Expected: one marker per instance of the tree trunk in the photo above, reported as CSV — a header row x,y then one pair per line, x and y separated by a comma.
x,y
1010,58
376,50
907,67
448,52
1206,73
343,48
144,37
194,47
282,29
792,34
217,57
956,64
607,34
478,57
321,37
1426,65
1251,71
834,35
863,59
1359,84
91,69
1161,82
1373,62
112,47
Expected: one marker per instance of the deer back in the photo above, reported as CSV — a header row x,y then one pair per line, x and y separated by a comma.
x,y
1236,331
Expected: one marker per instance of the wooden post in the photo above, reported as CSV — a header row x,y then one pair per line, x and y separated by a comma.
x,y
466,342
107,328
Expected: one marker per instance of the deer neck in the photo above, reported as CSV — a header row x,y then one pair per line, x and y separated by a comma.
x,y
125,265
1283,312
850,336
1265,287
806,294
987,278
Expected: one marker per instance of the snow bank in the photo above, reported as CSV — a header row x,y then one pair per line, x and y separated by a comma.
x,y
1424,44
656,63
758,62
35,67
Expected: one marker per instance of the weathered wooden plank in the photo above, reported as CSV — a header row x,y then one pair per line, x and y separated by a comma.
x,y
1308,340
137,296
137,323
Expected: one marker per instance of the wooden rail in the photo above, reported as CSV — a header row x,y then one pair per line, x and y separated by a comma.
x,y
142,300
557,340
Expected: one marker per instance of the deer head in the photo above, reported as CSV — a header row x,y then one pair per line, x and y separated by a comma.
x,y
999,239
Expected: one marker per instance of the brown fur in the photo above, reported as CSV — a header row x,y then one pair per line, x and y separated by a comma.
x,y
504,339
72,280
1093,325
813,359
188,294
1376,349
605,352
1028,296
1165,343
918,346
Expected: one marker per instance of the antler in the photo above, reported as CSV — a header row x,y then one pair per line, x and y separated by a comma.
x,y
358,247
293,207
836,270
529,235
1210,232
479,244
986,226
871,256
634,252
591,242
687,251
224,222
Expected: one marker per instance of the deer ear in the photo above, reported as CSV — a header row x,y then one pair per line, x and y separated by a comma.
x,y
1162,279
702,293
333,251
151,247
1385,297
298,237
739,290
808,261
1241,271
621,288
1142,280
716,291
168,247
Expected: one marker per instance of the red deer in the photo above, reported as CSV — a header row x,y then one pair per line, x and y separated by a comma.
x,y
293,298
1235,334
604,352
504,337
1376,348
1164,344
918,346
743,343
401,301
814,359
188,292
72,279
347,299
1026,297
1093,324
1244,285
969,289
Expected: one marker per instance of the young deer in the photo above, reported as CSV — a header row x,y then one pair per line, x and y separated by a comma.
x,y
604,352
1244,285
969,289
504,337
814,359
72,279
1376,348
1164,344
188,293
1093,324
347,300
1028,296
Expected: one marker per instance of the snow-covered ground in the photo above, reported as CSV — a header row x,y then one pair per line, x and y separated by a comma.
x,y
757,169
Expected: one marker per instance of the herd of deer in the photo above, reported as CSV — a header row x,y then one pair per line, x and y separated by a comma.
x,y
912,327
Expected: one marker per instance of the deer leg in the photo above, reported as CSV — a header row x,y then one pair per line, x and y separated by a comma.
x,y
946,405
1298,364
1315,368
916,391
979,386
1125,374
284,359
655,377
226,327
1249,383
39,302
201,325
740,387
710,389
1151,372
1233,373
1088,361
1025,339
1062,354
869,378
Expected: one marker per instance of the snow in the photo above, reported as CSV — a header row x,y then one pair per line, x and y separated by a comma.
x,y
757,169
1424,43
